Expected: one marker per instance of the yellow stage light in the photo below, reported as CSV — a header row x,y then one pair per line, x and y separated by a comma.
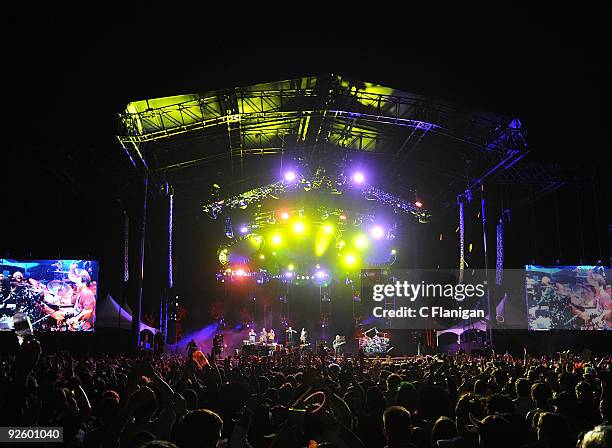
x,y
349,259
298,227
361,241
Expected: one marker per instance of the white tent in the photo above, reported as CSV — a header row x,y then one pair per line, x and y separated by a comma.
x,y
458,329
109,314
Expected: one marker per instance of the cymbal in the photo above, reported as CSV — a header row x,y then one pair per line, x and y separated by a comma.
x,y
58,287
74,275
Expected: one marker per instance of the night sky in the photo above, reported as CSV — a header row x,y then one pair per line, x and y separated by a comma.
x,y
71,71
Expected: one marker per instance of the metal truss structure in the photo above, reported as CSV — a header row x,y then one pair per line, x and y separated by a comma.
x,y
320,181
426,141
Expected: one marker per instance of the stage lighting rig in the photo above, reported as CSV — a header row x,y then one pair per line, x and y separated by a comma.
x,y
319,181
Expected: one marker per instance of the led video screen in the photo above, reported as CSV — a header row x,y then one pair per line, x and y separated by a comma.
x,y
568,298
56,295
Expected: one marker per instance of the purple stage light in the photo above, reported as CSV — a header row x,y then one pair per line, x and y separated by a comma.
x,y
358,177
288,274
321,274
290,176
244,229
377,232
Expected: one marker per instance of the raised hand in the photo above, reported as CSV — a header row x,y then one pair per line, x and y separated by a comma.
x,y
29,354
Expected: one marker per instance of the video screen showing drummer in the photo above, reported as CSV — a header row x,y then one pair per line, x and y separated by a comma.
x,y
56,295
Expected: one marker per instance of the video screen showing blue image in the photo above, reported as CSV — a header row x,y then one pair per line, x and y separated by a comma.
x,y
569,298
55,295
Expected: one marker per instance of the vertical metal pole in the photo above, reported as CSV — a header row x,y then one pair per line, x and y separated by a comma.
x,y
170,234
486,268
461,238
137,313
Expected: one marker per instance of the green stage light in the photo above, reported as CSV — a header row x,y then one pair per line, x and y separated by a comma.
x,y
291,267
327,229
223,256
262,257
276,240
393,251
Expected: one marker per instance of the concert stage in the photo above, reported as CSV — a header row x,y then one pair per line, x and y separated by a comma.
x,y
282,204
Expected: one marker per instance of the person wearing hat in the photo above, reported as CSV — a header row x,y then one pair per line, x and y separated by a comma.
x,y
494,431
587,407
469,405
565,405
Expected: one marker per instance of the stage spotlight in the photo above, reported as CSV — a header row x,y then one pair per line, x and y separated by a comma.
x,y
358,178
298,227
393,251
328,229
343,217
361,242
349,259
321,274
418,204
284,215
290,176
291,267
377,232
288,274
276,240
262,257
244,229
239,272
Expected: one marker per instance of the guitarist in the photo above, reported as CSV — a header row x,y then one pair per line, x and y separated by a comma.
x,y
338,342
84,306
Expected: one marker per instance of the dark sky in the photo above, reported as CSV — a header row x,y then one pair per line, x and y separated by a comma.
x,y
71,71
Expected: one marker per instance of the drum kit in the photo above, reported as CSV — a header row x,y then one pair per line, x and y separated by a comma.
x,y
374,345
40,301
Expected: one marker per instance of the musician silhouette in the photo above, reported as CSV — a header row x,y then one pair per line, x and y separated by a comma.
x,y
290,331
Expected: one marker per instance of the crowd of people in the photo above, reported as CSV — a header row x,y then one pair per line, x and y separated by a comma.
x,y
306,400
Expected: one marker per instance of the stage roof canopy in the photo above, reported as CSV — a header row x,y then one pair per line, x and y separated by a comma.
x,y
414,141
